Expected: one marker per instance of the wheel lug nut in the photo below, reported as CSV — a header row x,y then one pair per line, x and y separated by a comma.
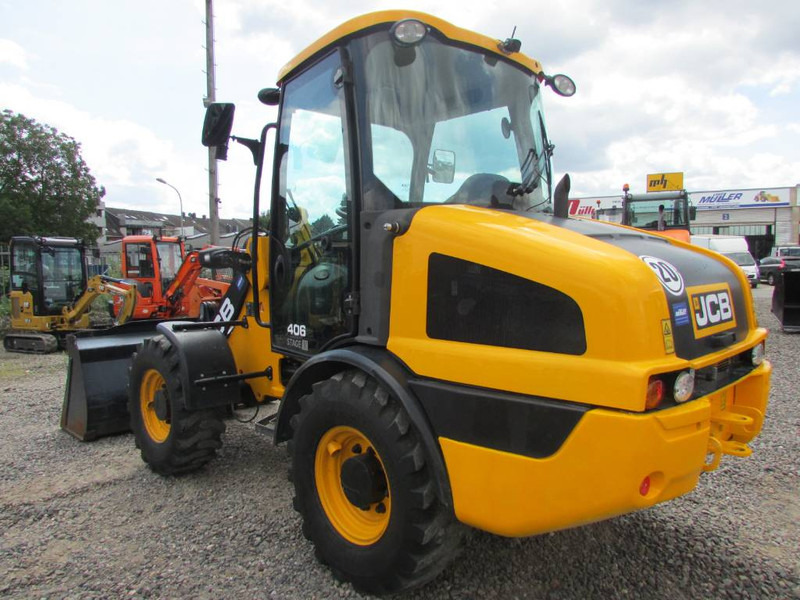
x,y
381,508
357,449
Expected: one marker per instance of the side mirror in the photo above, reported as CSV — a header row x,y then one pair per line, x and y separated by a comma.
x,y
443,168
270,96
218,124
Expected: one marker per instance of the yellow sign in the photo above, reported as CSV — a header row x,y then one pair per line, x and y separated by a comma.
x,y
663,182
669,341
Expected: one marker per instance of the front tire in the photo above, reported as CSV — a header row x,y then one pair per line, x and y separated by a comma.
x,y
364,487
172,440
771,278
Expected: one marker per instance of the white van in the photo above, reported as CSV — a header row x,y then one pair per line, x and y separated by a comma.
x,y
735,248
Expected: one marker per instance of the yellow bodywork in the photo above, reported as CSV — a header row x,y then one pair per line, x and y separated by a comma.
x,y
251,347
625,342
599,470
23,319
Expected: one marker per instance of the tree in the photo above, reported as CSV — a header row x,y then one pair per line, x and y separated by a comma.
x,y
321,225
45,186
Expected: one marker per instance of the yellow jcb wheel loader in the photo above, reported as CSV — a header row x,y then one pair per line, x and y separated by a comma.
x,y
445,345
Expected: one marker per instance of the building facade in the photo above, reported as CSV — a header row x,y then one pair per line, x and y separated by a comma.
x,y
765,217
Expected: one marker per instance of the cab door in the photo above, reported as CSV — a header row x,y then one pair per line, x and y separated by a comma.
x,y
312,214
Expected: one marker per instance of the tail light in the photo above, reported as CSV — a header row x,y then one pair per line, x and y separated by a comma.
x,y
655,393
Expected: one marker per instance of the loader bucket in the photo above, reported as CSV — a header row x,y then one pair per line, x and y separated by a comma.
x,y
786,300
96,395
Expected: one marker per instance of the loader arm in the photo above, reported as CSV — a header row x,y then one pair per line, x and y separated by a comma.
x,y
185,279
97,286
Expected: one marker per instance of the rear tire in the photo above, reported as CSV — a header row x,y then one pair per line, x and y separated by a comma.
x,y
771,278
402,536
172,440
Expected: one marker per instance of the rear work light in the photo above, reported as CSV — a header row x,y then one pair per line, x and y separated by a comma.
x,y
757,354
683,388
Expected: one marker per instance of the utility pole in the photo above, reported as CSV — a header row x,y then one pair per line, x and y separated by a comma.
x,y
211,95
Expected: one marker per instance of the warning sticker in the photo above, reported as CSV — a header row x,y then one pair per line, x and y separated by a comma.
x,y
669,341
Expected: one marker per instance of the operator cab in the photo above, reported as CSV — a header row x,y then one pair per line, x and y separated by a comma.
x,y
398,116
53,270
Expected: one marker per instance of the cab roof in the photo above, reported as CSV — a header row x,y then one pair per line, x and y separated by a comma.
x,y
359,24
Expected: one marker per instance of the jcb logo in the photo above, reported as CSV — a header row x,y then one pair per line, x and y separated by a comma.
x,y
712,309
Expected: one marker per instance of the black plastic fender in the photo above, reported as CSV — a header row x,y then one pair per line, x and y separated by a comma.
x,y
204,355
390,373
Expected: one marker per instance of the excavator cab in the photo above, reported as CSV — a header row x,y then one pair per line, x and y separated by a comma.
x,y
47,274
153,263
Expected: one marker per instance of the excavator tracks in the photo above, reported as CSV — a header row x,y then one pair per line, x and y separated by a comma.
x,y
30,342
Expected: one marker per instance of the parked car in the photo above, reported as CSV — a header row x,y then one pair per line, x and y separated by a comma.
x,y
772,265
747,264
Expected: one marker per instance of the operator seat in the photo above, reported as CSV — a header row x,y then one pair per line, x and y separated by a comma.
x,y
486,190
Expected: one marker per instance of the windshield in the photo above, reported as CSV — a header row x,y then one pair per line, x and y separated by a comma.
x,y
743,259
450,125
644,213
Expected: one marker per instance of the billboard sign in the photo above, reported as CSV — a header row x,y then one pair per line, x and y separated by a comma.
x,y
735,199
664,182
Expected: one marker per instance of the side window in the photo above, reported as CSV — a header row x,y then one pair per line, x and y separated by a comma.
x,y
311,220
24,269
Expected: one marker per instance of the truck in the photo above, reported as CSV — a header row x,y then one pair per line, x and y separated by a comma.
x,y
438,343
735,248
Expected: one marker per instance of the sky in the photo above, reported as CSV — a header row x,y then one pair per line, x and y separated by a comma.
x,y
710,88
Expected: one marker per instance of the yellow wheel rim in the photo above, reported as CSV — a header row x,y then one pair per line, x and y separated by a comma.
x,y
361,527
157,429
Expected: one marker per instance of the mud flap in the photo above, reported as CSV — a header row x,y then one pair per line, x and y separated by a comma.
x,y
96,394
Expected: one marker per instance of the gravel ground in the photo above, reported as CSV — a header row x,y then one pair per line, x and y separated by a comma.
x,y
91,521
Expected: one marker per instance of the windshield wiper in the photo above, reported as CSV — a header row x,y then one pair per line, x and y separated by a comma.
x,y
531,171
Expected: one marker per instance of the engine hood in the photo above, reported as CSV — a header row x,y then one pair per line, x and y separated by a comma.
x,y
704,293
641,295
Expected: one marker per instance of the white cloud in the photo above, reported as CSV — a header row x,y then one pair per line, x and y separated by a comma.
x,y
707,88
13,54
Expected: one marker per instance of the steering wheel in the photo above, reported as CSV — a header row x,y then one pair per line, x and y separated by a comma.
x,y
487,190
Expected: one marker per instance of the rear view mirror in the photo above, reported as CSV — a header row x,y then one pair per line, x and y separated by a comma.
x,y
218,124
443,168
